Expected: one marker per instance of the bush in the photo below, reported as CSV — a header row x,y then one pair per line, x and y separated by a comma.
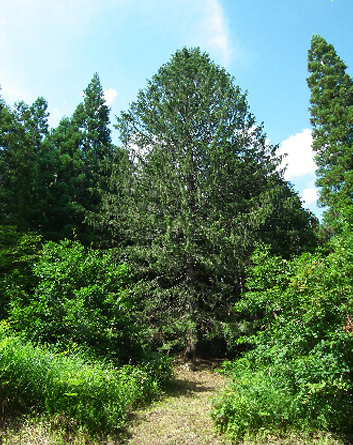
x,y
82,298
299,374
96,395
18,251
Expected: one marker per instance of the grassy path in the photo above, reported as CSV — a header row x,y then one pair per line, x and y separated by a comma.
x,y
182,416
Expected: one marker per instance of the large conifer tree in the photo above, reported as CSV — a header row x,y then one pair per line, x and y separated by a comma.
x,y
84,152
332,120
22,184
201,187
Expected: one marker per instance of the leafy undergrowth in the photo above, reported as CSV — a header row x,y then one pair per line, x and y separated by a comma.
x,y
79,398
181,416
298,376
249,411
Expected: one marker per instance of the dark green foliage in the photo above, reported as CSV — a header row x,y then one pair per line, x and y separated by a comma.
x,y
82,297
288,229
90,120
332,119
18,252
200,191
83,155
117,193
64,213
24,165
51,181
299,373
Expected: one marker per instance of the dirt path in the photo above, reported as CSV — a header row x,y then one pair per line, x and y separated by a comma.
x,y
182,416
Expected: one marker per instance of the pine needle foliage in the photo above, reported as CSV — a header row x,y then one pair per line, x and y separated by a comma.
x,y
331,108
201,190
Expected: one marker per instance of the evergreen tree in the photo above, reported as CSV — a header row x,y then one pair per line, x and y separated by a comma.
x,y
22,132
199,191
84,152
91,120
332,120
34,121
288,229
8,141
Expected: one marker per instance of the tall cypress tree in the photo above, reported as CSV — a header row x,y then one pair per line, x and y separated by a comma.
x,y
84,149
9,144
91,120
22,133
200,188
332,120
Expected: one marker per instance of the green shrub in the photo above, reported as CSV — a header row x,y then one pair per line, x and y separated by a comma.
x,y
96,395
299,374
18,251
82,298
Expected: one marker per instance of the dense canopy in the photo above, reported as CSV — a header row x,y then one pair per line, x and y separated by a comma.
x,y
185,240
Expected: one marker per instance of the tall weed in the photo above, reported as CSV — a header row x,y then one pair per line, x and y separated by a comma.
x,y
97,395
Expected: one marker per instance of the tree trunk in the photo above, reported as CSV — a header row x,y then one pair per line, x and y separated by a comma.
x,y
190,351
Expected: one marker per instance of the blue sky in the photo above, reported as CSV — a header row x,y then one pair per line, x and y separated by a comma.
x,y
51,48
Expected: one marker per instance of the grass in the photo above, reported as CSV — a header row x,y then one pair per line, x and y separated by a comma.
x,y
54,430
182,416
92,399
294,438
60,431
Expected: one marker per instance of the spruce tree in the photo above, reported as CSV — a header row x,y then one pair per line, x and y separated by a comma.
x,y
84,152
198,194
332,120
21,184
8,142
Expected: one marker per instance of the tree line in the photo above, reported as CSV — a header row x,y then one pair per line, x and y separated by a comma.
x,y
192,190
155,244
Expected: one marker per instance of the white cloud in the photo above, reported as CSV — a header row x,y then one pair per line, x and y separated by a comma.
x,y
217,27
300,155
213,31
309,195
193,23
110,95
12,92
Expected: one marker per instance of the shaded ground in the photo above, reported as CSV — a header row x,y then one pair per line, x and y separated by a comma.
x,y
182,417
